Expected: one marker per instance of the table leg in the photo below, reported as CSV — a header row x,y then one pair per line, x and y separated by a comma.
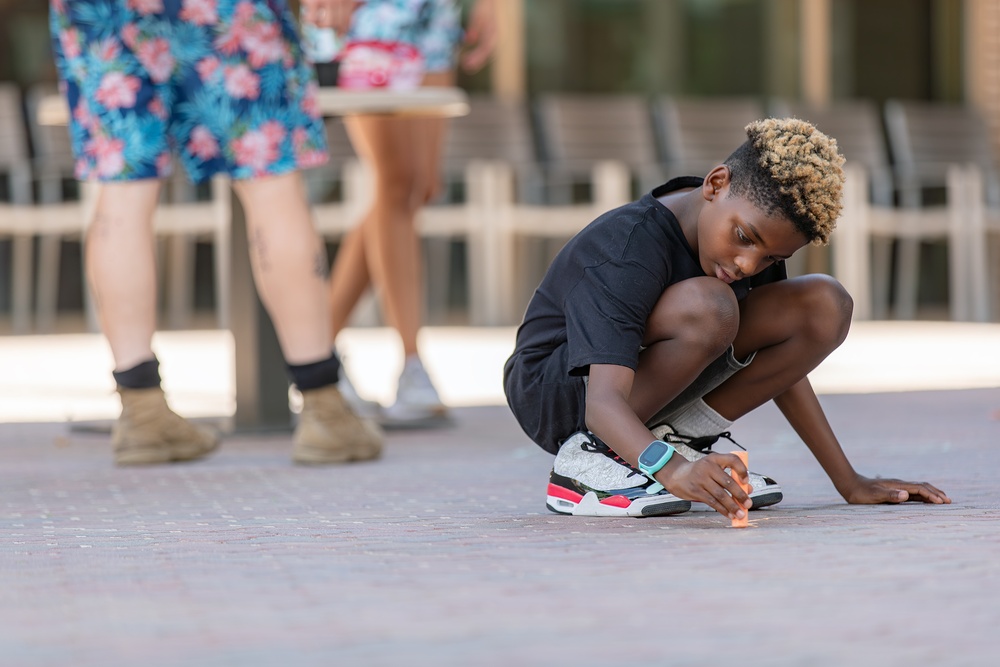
x,y
261,380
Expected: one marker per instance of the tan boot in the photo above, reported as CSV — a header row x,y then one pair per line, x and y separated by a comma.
x,y
330,432
149,432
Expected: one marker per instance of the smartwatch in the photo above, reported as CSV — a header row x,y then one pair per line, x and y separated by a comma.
x,y
652,460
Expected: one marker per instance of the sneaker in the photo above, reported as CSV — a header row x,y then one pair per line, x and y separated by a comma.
x,y
765,491
417,401
588,479
363,407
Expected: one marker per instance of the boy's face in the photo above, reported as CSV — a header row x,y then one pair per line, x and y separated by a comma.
x,y
735,238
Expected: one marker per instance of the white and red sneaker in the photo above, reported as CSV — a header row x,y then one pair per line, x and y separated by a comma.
x,y
588,479
765,491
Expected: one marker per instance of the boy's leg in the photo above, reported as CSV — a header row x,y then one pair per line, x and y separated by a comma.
x,y
787,328
792,325
691,325
121,269
290,270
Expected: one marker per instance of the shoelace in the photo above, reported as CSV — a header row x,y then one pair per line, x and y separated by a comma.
x,y
701,443
596,445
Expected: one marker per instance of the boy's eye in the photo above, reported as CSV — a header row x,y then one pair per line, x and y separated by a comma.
x,y
743,237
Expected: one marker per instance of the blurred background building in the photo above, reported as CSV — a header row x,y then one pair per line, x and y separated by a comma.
x,y
659,59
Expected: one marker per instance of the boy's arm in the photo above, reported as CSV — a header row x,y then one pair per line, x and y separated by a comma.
x,y
802,409
611,418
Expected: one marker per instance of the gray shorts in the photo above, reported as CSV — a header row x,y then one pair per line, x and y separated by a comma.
x,y
714,374
550,405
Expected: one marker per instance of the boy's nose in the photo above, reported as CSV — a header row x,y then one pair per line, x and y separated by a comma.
x,y
748,265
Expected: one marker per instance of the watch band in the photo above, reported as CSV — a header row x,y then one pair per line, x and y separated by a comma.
x,y
651,461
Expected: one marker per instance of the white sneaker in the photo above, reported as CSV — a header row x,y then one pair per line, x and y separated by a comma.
x,y
417,400
363,407
588,479
765,490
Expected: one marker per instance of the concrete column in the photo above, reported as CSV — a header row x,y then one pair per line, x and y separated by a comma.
x,y
814,44
509,73
816,76
982,90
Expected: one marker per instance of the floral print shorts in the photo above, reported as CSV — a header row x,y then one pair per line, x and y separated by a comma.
x,y
220,83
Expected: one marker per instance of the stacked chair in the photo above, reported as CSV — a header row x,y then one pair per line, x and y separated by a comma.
x,y
698,133
522,177
869,221
944,146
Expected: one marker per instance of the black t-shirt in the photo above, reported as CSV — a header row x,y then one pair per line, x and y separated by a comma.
x,y
602,286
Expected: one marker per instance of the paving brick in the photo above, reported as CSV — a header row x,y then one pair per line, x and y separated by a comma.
x,y
443,553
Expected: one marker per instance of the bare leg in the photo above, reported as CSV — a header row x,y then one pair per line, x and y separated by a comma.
x,y
693,323
121,268
793,325
391,246
290,271
404,154
350,278
289,264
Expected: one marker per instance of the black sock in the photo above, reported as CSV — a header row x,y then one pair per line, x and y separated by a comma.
x,y
317,374
144,376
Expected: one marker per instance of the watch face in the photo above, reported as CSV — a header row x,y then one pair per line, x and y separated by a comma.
x,y
652,454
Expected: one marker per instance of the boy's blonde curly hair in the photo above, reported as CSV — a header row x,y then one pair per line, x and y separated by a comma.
x,y
788,166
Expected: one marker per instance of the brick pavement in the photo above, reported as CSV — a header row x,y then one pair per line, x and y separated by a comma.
x,y
443,554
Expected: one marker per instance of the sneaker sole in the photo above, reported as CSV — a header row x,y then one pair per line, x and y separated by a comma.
x,y
766,498
425,421
414,417
561,501
761,499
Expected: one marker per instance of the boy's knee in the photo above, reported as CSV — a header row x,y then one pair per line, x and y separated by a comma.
x,y
703,312
830,307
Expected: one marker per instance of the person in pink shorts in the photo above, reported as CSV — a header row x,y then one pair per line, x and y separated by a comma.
x,y
404,155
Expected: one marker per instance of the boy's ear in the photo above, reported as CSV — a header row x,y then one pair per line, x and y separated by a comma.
x,y
716,180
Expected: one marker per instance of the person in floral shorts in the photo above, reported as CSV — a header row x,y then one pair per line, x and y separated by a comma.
x,y
222,86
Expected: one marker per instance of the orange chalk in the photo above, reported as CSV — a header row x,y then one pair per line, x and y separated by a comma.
x,y
745,521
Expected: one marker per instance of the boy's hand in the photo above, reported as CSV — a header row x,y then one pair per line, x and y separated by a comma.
x,y
706,481
868,491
